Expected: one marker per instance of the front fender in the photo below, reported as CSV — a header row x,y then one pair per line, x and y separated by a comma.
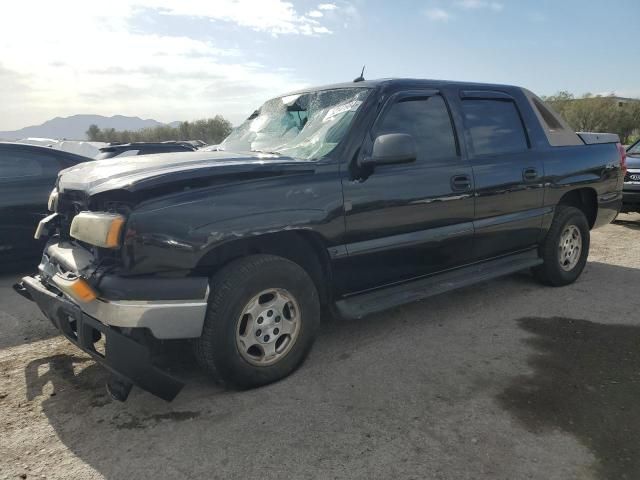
x,y
175,235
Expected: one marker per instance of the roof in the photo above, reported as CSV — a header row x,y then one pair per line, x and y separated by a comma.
x,y
401,82
132,145
43,149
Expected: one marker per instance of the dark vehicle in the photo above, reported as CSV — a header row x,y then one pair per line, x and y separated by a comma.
x,y
631,191
27,175
143,148
353,198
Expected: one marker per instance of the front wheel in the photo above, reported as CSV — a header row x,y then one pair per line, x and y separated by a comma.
x,y
261,321
565,248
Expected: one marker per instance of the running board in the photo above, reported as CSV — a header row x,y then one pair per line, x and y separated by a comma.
x,y
357,306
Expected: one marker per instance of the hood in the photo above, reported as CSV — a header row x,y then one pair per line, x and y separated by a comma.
x,y
148,171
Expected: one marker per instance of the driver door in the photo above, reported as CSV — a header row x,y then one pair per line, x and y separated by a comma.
x,y
405,221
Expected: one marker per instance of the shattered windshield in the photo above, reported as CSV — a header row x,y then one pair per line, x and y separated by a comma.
x,y
303,126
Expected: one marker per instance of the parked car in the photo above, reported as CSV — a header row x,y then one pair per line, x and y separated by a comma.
x,y
27,176
355,198
142,148
631,191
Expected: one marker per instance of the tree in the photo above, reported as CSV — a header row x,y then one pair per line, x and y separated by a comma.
x,y
596,113
93,134
210,130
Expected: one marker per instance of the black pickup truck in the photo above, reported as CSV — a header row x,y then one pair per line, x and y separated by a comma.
x,y
349,199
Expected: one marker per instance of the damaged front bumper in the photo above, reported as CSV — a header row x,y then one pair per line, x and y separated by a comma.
x,y
124,357
86,322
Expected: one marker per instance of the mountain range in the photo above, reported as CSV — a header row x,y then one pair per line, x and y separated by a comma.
x,y
75,126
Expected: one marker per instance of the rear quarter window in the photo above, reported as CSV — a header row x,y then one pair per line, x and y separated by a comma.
x,y
557,131
550,121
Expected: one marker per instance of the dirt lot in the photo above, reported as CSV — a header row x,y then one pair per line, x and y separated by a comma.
x,y
505,380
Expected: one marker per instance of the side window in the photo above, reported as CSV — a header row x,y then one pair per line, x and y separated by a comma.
x,y
494,126
15,165
427,120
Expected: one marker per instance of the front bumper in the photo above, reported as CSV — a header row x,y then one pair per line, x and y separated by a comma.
x,y
169,307
127,359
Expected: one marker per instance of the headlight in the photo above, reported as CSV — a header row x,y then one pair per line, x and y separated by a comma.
x,y
52,204
99,229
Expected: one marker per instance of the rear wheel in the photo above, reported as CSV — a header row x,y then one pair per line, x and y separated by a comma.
x,y
261,321
565,249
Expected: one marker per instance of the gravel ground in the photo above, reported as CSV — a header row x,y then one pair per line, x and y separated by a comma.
x,y
504,380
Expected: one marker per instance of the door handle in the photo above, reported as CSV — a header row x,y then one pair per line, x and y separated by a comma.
x,y
529,174
460,183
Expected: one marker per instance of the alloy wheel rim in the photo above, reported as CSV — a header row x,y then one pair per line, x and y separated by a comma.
x,y
569,248
268,327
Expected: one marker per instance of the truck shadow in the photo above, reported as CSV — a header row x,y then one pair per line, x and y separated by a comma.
x,y
631,221
22,321
64,372
585,381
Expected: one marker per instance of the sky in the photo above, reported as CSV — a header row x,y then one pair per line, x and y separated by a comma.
x,y
188,59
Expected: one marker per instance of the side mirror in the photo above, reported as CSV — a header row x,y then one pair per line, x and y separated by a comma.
x,y
390,149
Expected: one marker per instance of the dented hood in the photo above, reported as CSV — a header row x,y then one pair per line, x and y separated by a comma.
x,y
149,171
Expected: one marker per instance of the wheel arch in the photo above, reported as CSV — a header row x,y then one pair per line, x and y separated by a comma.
x,y
303,247
584,199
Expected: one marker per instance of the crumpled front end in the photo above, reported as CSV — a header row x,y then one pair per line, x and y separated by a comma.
x,y
128,360
84,290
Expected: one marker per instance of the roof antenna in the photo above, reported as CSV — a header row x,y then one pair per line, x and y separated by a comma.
x,y
361,77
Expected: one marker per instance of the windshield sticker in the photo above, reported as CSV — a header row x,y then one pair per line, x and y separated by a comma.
x,y
302,126
258,123
288,100
345,107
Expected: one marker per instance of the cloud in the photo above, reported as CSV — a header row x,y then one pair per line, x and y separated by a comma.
x,y
625,93
480,4
321,30
315,14
80,57
277,17
15,93
437,14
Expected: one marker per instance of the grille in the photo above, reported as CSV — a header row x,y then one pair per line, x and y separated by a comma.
x,y
72,202
632,176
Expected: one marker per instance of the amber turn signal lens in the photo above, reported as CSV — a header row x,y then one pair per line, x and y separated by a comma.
x,y
78,289
113,235
81,291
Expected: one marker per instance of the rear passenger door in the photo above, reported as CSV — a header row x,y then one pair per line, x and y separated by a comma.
x,y
508,175
408,220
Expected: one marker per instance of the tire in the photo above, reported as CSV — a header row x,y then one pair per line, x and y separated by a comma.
x,y
232,347
558,269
